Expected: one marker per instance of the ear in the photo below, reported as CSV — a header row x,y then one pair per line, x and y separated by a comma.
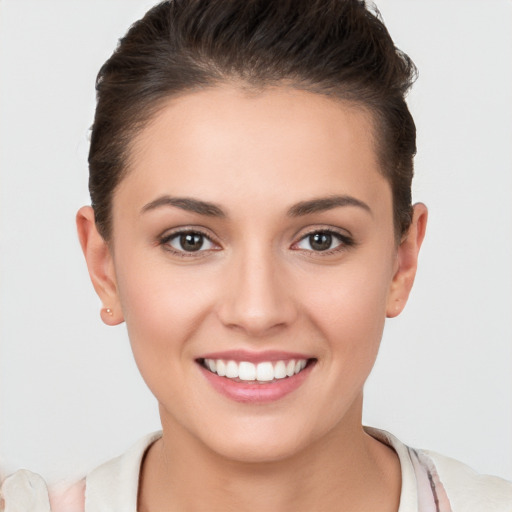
x,y
100,265
407,262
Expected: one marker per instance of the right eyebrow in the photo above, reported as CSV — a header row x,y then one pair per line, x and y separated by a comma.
x,y
186,203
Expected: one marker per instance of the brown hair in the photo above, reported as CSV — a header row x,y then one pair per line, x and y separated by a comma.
x,y
334,47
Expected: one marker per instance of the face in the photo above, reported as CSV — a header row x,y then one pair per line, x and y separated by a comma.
x,y
253,259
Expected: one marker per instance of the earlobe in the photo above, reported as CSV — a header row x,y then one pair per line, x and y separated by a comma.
x,y
407,262
100,265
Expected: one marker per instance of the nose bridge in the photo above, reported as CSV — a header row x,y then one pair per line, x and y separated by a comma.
x,y
256,299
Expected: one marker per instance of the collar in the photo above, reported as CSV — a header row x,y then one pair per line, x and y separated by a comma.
x,y
113,486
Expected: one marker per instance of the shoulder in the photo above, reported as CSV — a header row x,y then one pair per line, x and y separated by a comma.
x,y
468,490
431,481
111,486
114,484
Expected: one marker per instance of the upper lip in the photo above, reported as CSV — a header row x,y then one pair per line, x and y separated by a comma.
x,y
254,357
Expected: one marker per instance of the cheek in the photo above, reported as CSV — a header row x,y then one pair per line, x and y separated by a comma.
x,y
349,308
162,310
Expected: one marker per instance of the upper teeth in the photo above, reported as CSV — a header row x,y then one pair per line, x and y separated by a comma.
x,y
262,372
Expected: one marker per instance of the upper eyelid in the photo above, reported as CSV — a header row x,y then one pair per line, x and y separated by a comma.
x,y
300,235
343,233
171,234
346,240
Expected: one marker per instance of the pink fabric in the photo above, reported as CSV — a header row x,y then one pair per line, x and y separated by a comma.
x,y
432,496
70,499
26,491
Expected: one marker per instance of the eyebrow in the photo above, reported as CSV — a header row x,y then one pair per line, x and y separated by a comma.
x,y
323,204
186,203
208,209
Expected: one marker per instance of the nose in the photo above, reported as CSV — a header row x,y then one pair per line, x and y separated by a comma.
x,y
257,299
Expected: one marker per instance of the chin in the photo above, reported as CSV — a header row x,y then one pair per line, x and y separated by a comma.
x,y
256,451
259,442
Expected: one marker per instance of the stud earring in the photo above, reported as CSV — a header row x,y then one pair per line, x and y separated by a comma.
x,y
108,311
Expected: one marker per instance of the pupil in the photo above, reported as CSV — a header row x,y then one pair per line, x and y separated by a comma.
x,y
191,241
320,241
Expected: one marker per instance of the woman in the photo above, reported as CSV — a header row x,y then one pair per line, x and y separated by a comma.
x,y
251,222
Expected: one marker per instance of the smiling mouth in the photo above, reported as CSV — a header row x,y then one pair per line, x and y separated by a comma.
x,y
264,372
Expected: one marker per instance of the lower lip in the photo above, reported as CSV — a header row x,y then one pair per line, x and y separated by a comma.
x,y
253,392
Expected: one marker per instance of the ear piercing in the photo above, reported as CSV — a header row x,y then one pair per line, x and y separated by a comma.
x,y
107,316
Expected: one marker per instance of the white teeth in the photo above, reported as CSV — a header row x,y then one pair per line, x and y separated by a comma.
x,y
290,368
221,368
265,372
262,372
231,370
246,371
280,370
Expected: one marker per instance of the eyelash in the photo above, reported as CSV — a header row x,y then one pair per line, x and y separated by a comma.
x,y
344,240
165,240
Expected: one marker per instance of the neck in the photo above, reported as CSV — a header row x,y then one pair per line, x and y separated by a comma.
x,y
344,470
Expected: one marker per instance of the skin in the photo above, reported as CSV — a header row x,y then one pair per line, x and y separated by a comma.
x,y
259,285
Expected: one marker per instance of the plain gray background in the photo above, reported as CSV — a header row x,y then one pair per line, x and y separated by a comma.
x,y
70,394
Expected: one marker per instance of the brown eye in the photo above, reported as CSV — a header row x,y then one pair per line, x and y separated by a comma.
x,y
320,241
189,241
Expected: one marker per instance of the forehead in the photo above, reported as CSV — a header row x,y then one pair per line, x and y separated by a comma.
x,y
279,144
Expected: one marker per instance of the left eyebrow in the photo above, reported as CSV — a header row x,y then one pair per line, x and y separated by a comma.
x,y
323,204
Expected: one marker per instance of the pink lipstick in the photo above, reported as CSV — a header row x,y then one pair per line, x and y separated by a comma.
x,y
256,377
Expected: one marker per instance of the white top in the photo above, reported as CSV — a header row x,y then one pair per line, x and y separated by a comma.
x,y
430,483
